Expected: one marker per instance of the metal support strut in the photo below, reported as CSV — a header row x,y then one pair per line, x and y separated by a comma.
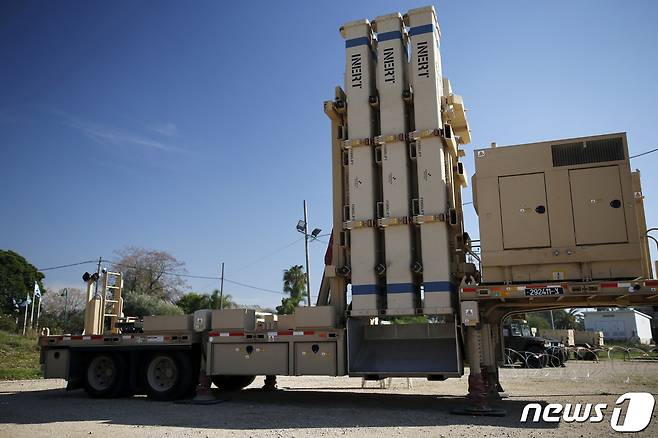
x,y
478,388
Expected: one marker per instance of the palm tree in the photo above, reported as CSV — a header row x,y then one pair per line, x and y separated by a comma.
x,y
294,283
226,301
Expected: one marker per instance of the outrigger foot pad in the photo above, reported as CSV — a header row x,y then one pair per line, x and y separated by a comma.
x,y
480,412
199,401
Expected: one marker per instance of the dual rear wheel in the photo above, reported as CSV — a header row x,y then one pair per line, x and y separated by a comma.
x,y
165,376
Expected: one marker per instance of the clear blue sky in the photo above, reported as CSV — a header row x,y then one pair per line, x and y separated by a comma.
x,y
197,127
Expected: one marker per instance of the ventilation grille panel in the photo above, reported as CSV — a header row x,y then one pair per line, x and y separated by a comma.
x,y
591,151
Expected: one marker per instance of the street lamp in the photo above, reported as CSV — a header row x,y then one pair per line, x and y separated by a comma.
x,y
302,227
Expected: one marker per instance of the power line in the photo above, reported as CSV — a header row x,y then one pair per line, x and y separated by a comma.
x,y
644,153
204,277
253,287
67,266
276,251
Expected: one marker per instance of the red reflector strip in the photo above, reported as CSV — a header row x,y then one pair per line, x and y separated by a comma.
x,y
469,289
651,283
306,333
76,338
534,286
97,337
59,338
322,335
167,338
236,334
213,334
285,333
609,285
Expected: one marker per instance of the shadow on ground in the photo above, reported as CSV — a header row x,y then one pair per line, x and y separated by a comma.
x,y
255,409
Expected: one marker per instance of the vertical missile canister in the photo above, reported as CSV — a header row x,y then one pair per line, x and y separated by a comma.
x,y
361,176
402,296
431,211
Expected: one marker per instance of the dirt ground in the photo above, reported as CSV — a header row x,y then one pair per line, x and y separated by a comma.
x,y
324,406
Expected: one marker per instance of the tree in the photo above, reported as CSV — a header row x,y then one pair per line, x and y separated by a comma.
x,y
58,301
17,277
146,272
192,301
537,319
140,304
226,301
294,284
571,319
62,311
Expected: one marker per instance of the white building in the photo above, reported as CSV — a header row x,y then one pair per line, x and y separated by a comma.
x,y
621,325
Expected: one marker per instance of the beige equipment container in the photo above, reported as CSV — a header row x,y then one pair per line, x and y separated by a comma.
x,y
593,338
559,210
234,319
315,317
168,323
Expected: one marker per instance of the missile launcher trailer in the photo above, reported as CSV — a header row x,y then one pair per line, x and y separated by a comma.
x,y
561,224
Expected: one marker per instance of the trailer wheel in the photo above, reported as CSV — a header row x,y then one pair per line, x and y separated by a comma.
x,y
232,383
105,376
168,376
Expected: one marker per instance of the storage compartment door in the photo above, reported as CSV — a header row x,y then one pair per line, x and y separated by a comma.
x,y
598,206
524,211
315,358
250,359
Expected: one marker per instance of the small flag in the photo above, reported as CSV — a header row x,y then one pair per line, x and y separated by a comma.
x,y
37,291
25,302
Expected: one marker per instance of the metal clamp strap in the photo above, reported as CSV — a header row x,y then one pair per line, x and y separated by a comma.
x,y
415,135
386,221
350,225
426,218
356,142
391,138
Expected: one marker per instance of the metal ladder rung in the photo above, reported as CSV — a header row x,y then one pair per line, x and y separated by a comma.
x,y
111,301
110,314
113,287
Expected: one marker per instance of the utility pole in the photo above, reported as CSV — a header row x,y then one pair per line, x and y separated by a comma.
x,y
221,289
308,275
98,273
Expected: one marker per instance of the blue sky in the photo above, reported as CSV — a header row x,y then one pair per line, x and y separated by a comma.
x,y
197,127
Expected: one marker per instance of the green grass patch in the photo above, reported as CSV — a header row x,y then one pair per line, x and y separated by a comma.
x,y
19,357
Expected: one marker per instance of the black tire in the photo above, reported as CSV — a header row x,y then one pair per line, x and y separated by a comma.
x,y
168,375
232,383
537,357
105,375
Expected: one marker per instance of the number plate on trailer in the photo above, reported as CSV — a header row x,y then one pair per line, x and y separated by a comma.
x,y
542,291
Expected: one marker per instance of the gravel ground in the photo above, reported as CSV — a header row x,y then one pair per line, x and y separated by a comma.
x,y
325,406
